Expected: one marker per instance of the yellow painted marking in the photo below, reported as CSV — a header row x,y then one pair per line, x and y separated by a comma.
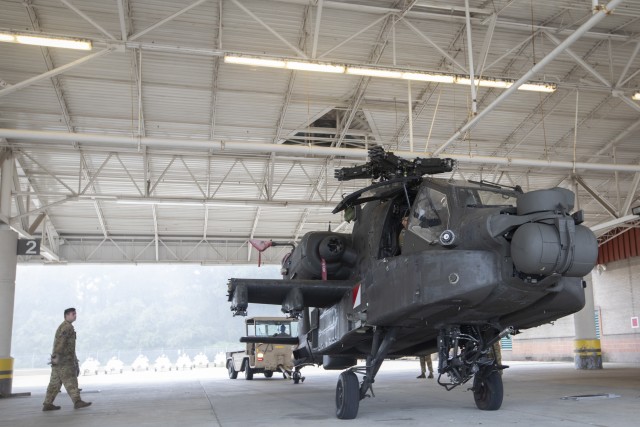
x,y
6,364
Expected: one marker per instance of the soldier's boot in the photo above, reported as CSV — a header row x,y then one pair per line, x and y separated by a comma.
x,y
421,376
430,375
81,404
49,407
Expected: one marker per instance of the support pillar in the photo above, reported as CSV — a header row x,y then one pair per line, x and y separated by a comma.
x,y
586,346
8,263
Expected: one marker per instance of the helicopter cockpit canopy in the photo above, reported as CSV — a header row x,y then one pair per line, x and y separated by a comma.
x,y
478,197
431,211
383,190
429,214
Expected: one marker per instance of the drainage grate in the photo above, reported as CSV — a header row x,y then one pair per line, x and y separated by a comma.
x,y
591,396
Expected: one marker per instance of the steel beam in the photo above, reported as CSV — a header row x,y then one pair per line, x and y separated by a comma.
x,y
167,19
580,61
271,30
121,17
606,205
599,16
42,137
51,73
88,19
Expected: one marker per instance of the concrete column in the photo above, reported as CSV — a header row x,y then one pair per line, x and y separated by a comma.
x,y
8,262
586,345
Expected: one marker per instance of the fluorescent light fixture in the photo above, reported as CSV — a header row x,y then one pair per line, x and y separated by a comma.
x,y
636,96
158,202
500,84
428,77
66,43
314,66
374,72
538,87
252,60
505,84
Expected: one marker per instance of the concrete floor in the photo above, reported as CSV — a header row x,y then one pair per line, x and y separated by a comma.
x,y
206,397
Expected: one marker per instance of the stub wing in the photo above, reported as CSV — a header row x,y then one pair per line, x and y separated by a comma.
x,y
294,295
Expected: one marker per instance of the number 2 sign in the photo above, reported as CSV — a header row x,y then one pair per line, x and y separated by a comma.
x,y
28,246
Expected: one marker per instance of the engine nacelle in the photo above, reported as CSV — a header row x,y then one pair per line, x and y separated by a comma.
x,y
305,262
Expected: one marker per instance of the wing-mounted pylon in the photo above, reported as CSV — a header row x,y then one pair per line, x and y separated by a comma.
x,y
293,295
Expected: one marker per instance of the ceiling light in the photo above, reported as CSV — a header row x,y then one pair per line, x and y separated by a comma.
x,y
252,60
538,87
153,202
314,66
62,42
374,72
500,84
636,96
428,77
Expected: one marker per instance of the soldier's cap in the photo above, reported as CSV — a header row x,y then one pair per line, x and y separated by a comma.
x,y
69,310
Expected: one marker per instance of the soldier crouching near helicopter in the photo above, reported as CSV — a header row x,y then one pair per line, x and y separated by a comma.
x,y
64,365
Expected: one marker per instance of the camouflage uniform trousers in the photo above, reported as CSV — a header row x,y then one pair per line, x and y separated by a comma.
x,y
497,353
425,361
63,374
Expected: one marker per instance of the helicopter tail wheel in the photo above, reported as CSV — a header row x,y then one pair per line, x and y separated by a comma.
x,y
296,377
347,396
488,391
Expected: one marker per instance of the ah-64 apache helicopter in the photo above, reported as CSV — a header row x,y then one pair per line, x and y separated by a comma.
x,y
476,262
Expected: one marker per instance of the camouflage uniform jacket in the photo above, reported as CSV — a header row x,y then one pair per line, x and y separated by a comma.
x,y
64,344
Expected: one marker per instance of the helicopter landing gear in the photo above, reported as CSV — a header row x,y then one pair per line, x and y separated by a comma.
x,y
297,377
465,353
488,390
348,394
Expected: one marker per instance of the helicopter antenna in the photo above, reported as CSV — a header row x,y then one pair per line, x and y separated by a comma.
x,y
497,185
384,165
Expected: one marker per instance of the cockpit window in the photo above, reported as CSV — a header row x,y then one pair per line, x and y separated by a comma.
x,y
270,328
430,214
476,198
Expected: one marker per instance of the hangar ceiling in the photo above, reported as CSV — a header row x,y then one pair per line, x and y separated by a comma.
x,y
152,148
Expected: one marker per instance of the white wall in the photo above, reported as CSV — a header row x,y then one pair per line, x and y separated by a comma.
x,y
616,290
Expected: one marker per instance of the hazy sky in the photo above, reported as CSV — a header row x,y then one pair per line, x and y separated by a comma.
x,y
129,307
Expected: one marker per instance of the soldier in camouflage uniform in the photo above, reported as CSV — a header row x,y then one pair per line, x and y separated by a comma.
x,y
64,365
425,361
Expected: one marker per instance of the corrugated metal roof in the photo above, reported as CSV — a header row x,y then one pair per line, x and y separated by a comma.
x,y
100,208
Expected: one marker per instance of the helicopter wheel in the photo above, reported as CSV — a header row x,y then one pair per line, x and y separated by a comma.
x,y
488,391
233,374
268,374
347,396
296,377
